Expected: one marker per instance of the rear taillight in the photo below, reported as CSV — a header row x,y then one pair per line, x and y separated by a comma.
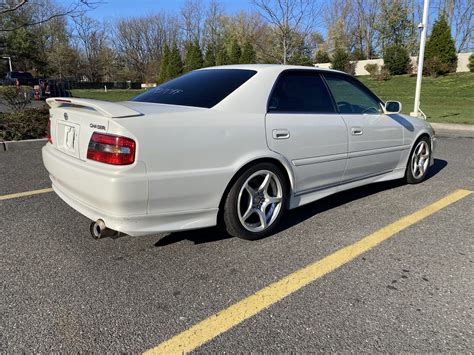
x,y
50,140
110,149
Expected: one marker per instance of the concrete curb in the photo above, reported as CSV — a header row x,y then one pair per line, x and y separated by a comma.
x,y
12,146
464,130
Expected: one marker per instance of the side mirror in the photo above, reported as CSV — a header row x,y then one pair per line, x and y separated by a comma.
x,y
393,107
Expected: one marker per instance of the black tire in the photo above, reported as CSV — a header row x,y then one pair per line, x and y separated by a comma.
x,y
409,175
230,214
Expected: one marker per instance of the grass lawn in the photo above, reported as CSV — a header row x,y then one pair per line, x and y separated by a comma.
x,y
448,98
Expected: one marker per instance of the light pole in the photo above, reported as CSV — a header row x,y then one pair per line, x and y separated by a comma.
x,y
9,62
421,55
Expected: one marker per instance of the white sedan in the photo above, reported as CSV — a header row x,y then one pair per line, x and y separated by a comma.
x,y
235,144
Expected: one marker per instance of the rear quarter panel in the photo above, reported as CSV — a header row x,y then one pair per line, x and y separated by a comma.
x,y
190,157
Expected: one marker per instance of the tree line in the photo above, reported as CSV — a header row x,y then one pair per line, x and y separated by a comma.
x,y
67,43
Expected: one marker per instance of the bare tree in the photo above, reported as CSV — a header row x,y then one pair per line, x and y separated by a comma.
x,y
139,43
289,18
38,12
213,24
366,20
339,21
192,13
91,39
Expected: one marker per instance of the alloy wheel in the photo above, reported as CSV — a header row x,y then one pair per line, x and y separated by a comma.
x,y
260,201
420,159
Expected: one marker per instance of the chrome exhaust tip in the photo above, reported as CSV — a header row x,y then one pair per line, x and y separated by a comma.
x,y
97,229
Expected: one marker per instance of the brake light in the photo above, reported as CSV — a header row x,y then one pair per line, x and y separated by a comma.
x,y
110,149
50,140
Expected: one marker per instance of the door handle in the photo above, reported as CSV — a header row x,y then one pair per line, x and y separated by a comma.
x,y
357,131
281,134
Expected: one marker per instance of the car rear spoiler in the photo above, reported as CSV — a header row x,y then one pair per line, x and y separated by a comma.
x,y
105,108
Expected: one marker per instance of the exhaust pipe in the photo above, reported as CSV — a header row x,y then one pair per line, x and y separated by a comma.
x,y
99,230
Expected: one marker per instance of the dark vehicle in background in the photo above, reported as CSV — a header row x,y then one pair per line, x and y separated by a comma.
x,y
51,88
19,78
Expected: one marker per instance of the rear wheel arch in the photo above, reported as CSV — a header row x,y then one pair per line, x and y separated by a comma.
x,y
286,170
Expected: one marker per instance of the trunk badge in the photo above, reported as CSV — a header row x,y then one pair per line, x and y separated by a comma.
x,y
65,116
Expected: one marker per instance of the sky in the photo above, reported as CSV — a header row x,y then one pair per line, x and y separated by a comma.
x,y
112,9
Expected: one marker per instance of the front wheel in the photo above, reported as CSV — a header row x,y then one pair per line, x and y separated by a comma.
x,y
256,202
419,161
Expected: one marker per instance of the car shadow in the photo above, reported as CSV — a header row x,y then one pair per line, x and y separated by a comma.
x,y
197,236
402,121
300,214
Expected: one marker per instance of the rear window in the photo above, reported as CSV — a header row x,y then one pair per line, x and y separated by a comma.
x,y
202,88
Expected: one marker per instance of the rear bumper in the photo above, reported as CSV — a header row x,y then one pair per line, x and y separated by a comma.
x,y
143,224
117,195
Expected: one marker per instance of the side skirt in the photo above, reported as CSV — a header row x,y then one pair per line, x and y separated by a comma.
x,y
305,197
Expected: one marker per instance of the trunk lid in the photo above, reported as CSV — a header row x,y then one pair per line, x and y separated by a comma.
x,y
73,121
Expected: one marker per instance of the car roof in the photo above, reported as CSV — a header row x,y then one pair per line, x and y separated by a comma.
x,y
265,67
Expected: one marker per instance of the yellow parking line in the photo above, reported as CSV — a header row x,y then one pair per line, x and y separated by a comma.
x,y
219,323
26,193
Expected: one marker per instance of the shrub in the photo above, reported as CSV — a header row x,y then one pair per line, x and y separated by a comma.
x,y
322,57
376,72
341,60
384,74
372,69
471,63
397,60
26,124
435,67
15,98
440,52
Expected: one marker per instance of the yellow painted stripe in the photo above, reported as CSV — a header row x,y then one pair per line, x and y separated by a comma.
x,y
216,324
26,193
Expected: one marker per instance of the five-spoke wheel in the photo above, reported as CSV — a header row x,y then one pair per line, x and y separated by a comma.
x,y
259,200
419,161
255,202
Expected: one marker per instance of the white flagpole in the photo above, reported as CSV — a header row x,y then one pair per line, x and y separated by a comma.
x,y
423,25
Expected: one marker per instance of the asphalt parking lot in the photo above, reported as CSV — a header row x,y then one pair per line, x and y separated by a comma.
x,y
61,290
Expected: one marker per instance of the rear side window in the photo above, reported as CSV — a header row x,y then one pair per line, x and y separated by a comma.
x,y
202,88
300,91
351,96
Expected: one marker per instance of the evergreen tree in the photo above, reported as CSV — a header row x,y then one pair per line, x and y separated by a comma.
x,y
165,59
341,60
222,57
248,55
235,52
175,65
301,56
440,47
193,59
322,57
397,60
210,56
